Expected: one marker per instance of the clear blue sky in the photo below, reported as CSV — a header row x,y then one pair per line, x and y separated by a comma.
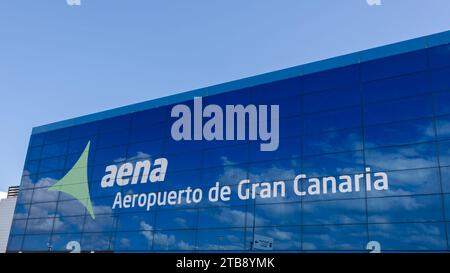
x,y
59,61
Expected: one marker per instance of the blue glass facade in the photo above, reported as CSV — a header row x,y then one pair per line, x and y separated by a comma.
x,y
388,113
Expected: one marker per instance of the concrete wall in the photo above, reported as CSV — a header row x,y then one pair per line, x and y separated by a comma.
x,y
6,214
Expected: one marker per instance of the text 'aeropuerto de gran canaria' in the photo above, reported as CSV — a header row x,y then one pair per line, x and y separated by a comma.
x,y
302,185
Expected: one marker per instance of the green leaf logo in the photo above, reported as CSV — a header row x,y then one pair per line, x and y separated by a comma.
x,y
75,182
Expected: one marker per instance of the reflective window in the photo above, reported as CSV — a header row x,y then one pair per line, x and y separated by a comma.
x,y
444,153
332,142
405,209
223,217
40,210
409,182
36,243
332,120
34,153
447,206
71,224
18,226
339,238
40,225
411,108
176,219
394,88
57,136
221,239
171,240
37,139
84,130
52,164
15,243
285,214
60,242
333,164
439,56
409,236
402,157
336,98
132,241
52,150
98,242
445,179
443,127
398,133
113,139
394,65
440,81
331,79
334,212
284,238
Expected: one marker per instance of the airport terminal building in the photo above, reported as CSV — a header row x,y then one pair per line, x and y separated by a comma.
x,y
349,154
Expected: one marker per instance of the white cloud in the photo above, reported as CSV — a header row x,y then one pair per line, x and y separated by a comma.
x,y
281,235
3,195
162,239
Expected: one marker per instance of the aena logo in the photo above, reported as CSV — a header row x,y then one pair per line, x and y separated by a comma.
x,y
75,182
139,172
228,124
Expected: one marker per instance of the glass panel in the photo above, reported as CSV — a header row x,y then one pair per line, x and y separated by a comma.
x,y
221,239
284,238
406,132
409,236
440,81
444,153
405,209
52,150
394,88
331,79
132,242
18,226
332,120
15,243
335,238
135,221
445,179
439,56
409,182
394,65
171,240
286,214
59,242
65,224
39,243
332,142
176,219
39,210
57,135
34,153
335,98
98,242
403,157
223,217
443,127
40,225
334,212
411,108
